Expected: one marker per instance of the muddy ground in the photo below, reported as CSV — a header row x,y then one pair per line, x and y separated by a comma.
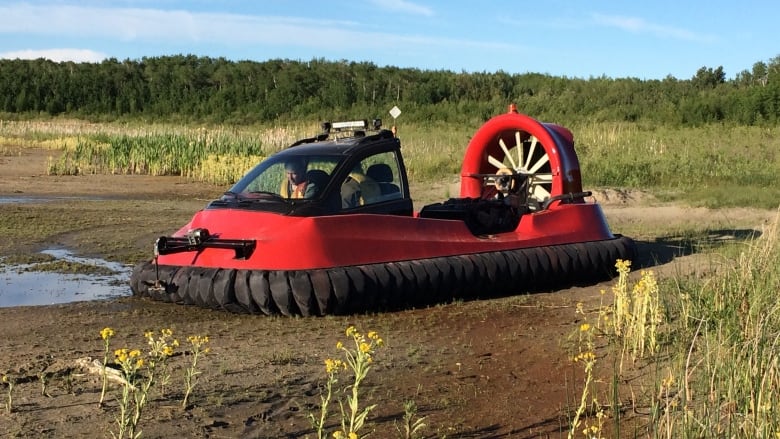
x,y
496,368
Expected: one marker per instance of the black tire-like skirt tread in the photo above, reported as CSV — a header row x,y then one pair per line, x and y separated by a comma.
x,y
560,261
480,276
341,289
189,288
468,285
503,282
149,275
422,286
320,283
432,292
518,264
281,293
491,270
188,285
576,264
615,252
396,298
260,291
584,258
142,273
243,292
535,279
446,279
142,278
357,290
206,288
457,282
371,288
385,286
168,281
629,248
597,263
224,292
194,294
303,293
179,280
544,275
606,257
409,293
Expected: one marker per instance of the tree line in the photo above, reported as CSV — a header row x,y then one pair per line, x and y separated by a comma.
x,y
189,88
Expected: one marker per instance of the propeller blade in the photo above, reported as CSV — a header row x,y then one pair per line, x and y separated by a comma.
x,y
506,153
495,162
531,152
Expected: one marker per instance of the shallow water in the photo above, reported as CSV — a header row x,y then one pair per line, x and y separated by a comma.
x,y
22,285
37,199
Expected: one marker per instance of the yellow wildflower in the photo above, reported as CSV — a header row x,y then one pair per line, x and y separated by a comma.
x,y
585,327
585,356
121,355
106,333
365,348
198,340
332,365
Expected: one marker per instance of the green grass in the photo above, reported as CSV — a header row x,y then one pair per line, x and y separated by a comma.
x,y
717,370
712,166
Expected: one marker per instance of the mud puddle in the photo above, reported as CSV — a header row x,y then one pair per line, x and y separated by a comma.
x,y
61,277
37,199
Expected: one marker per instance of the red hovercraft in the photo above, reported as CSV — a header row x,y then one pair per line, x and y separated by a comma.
x,y
353,242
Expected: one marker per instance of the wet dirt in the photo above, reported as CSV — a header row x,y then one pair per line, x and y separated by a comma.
x,y
495,368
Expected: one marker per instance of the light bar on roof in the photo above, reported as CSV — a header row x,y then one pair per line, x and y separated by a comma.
x,y
350,125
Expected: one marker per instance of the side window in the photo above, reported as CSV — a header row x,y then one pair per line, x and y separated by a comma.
x,y
374,180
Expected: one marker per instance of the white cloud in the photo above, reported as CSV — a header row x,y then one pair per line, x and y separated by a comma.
x,y
57,55
640,26
404,7
180,27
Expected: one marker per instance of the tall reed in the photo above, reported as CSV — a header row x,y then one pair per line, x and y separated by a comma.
x,y
729,362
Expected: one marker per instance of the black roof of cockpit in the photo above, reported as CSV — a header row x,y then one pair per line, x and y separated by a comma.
x,y
325,144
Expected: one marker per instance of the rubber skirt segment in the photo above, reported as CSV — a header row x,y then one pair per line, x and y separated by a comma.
x,y
383,287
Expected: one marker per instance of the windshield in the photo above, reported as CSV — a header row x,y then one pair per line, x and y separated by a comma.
x,y
287,177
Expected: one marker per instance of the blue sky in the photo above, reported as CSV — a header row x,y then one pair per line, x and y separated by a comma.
x,y
576,38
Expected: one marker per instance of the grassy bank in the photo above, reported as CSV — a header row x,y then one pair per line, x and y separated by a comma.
x,y
710,166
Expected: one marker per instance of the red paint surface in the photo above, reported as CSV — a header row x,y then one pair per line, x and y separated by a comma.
x,y
298,243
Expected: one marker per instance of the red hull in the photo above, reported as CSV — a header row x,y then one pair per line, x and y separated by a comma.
x,y
303,243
